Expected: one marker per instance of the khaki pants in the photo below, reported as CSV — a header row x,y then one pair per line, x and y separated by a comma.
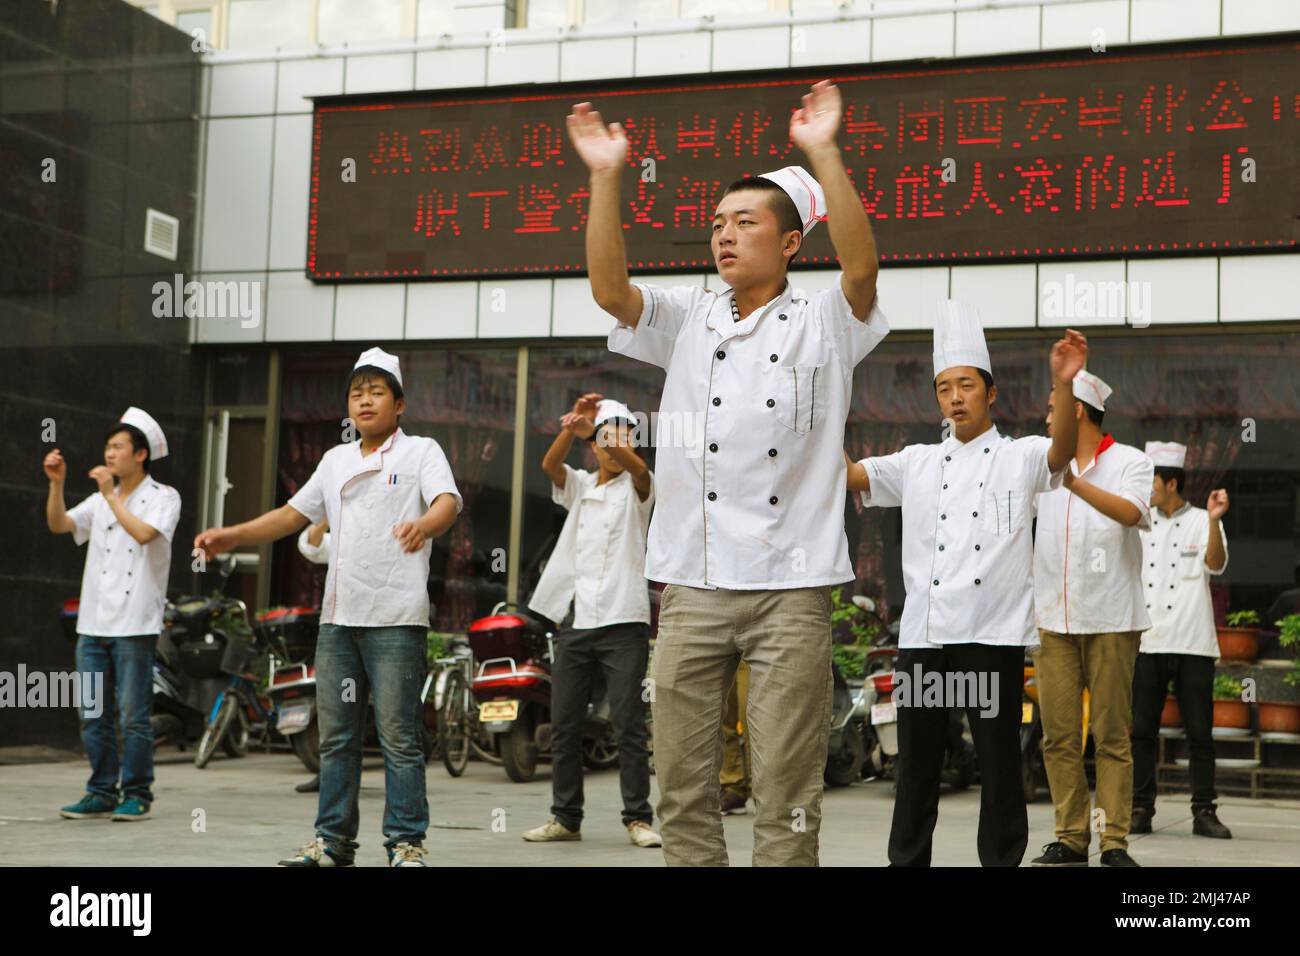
x,y
784,636
1103,663
735,745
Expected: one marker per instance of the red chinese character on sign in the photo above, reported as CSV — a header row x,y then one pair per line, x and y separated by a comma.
x,y
694,203
441,149
1159,184
539,145
979,120
746,132
1222,106
642,139
538,205
700,138
1036,186
1046,115
1102,115
488,150
487,196
1094,183
861,132
392,153
642,203
578,200
870,195
1157,107
914,196
923,124
977,191
432,213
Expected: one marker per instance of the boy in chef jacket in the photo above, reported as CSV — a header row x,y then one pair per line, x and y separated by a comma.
x,y
967,559
127,526
1184,548
748,532
597,566
1088,597
385,497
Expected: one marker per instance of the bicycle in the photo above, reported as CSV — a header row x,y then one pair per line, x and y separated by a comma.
x,y
459,730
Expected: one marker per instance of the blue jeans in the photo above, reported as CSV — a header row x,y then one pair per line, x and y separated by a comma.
x,y
127,666
388,662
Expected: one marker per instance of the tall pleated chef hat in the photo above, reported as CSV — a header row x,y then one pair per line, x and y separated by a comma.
x,y
152,431
805,191
1089,388
959,338
380,359
1167,454
609,410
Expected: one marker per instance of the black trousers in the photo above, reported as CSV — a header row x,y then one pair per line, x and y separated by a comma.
x,y
922,733
1193,677
621,651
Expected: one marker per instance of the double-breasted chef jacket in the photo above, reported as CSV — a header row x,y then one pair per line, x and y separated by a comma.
x,y
598,563
1087,567
751,485
371,581
124,583
967,536
1176,583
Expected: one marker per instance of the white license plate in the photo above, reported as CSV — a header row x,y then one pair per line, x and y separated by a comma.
x,y
498,710
294,718
885,713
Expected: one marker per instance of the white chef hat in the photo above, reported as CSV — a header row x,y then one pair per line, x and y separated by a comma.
x,y
1166,454
378,358
607,409
152,431
805,191
959,338
1090,389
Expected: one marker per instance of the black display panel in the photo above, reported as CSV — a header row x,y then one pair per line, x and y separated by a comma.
x,y
1136,151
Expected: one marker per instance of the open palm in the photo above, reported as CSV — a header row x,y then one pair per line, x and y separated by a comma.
x,y
601,147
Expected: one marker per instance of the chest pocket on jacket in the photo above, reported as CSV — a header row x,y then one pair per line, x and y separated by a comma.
x,y
1002,512
801,398
398,498
1189,563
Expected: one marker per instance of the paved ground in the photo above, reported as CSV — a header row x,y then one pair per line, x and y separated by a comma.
x,y
253,816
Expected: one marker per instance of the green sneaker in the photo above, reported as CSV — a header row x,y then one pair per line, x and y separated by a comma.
x,y
88,807
131,809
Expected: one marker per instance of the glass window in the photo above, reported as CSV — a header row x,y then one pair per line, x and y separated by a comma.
x,y
347,21
465,400
699,8
547,13
626,11
267,24
435,18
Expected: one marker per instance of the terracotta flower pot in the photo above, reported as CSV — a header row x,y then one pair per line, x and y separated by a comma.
x,y
1238,643
1232,713
1171,716
1277,717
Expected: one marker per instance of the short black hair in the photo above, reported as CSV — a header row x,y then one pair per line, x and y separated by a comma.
x,y
138,441
787,214
1095,415
985,377
366,373
1177,475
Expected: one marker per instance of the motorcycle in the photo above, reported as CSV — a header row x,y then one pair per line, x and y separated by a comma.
x,y
513,653
291,633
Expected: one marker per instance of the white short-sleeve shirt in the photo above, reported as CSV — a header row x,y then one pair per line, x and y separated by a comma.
x,y
598,563
371,581
124,584
749,434
968,549
1087,567
1176,583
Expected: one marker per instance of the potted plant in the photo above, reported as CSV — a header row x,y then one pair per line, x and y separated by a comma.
x,y
1277,716
1171,716
1239,641
1229,709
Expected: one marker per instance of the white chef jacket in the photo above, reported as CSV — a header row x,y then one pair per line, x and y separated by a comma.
x,y
751,492
598,562
124,584
967,543
1176,582
371,581
1087,567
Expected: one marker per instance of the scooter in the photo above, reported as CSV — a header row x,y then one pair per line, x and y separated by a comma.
x,y
291,681
513,654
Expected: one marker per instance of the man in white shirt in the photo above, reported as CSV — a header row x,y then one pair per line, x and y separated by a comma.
x,y
1088,595
128,525
598,567
969,612
1185,547
748,531
385,497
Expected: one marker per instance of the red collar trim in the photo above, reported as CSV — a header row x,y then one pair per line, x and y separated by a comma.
x,y
1106,441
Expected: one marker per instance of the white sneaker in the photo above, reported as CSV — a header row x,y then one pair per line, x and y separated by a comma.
x,y
315,853
552,831
642,834
407,854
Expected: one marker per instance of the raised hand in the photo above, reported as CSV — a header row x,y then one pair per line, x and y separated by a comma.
x,y
601,147
1217,504
102,477
215,541
56,469
1069,355
815,122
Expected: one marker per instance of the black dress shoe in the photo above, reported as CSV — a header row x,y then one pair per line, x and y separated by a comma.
x,y
1117,857
311,786
1206,823
1141,820
1058,854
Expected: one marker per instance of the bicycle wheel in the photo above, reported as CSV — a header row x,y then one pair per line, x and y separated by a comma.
x,y
453,724
216,730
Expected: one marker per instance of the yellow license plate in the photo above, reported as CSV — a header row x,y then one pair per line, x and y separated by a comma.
x,y
1026,713
498,710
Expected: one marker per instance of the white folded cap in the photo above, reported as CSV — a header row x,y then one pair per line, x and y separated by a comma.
x,y
607,409
959,338
805,191
378,358
1167,454
1089,388
152,431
